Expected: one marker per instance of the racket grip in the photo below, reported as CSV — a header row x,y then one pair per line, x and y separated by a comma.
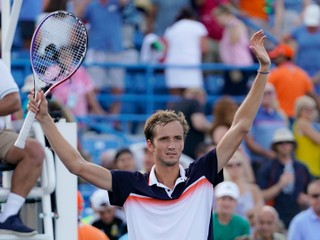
x,y
24,132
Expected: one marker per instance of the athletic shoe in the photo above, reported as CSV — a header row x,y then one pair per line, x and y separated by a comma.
x,y
14,225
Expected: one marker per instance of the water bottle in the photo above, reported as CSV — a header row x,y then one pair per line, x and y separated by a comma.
x,y
288,168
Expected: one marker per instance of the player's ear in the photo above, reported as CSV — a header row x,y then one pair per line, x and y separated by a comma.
x,y
150,145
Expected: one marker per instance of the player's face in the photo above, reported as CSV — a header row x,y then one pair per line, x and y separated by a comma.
x,y
168,143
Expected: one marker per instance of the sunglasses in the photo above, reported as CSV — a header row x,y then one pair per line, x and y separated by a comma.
x,y
284,142
315,195
231,165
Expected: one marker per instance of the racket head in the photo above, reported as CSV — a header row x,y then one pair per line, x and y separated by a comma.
x,y
58,47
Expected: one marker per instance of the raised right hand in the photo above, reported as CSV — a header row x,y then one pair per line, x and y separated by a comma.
x,y
41,109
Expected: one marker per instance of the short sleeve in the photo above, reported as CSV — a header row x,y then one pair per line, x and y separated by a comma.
x,y
207,166
123,183
7,83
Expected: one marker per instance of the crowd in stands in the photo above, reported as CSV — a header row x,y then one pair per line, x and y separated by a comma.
x,y
270,189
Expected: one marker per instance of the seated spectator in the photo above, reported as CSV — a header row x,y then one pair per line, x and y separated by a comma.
x,y
226,224
234,50
269,118
250,197
107,220
266,224
192,104
87,231
124,160
186,40
307,135
78,94
283,189
306,224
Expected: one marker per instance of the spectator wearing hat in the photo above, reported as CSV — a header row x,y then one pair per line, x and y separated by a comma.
x,y
86,231
284,180
107,220
306,39
306,224
307,134
269,118
286,75
226,224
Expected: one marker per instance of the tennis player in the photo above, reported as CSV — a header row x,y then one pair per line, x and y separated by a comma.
x,y
169,202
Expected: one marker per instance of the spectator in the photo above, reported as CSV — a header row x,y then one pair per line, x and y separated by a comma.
x,y
287,16
79,95
226,224
105,45
250,196
162,14
234,50
307,134
266,227
86,231
192,104
205,8
275,181
285,74
305,40
170,192
223,112
186,40
306,224
124,160
256,13
28,161
107,220
268,119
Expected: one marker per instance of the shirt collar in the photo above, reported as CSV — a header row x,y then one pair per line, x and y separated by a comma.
x,y
313,215
154,181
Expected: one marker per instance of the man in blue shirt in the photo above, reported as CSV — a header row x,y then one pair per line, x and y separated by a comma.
x,y
306,224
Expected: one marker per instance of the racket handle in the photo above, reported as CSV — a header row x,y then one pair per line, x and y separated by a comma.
x,y
24,132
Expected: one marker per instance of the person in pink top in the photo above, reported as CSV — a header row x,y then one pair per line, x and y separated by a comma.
x,y
78,94
234,50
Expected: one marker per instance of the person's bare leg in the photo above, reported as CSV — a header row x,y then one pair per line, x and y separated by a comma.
x,y
29,164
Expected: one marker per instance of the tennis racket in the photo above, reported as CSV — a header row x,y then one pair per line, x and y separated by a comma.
x,y
58,47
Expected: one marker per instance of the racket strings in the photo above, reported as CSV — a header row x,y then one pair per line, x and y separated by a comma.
x,y
59,47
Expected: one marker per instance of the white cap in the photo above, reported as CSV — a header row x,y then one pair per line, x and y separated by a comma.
x,y
100,200
283,135
227,189
311,15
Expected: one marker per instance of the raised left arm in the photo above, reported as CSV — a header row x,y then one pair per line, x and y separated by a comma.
x,y
247,111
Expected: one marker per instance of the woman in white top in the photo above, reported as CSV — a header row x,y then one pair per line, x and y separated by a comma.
x,y
186,40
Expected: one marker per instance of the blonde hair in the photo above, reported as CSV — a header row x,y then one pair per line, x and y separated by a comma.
x,y
301,102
